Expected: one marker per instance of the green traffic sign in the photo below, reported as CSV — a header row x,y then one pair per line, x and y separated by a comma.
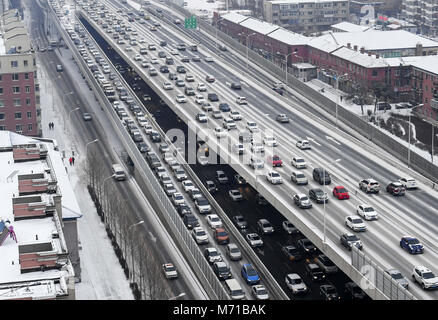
x,y
190,23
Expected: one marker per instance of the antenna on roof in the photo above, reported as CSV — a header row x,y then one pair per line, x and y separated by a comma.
x,y
333,36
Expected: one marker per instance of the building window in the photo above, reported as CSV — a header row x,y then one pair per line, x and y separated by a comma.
x,y
19,128
2,128
17,102
16,89
1,90
25,63
29,115
15,77
374,74
2,116
26,76
0,78
37,99
37,87
29,127
2,103
14,64
17,115
27,101
27,89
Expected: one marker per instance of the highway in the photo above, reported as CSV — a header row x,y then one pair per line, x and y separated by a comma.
x,y
398,216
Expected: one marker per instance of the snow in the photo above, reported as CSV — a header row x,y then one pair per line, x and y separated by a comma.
x,y
350,27
259,26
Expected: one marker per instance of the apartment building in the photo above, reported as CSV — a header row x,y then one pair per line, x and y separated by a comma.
x,y
423,13
38,234
306,15
19,90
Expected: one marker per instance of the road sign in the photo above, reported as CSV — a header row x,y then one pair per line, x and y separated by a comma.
x,y
190,23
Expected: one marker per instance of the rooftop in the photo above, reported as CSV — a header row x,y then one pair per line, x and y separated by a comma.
x,y
350,27
13,34
305,1
259,26
289,37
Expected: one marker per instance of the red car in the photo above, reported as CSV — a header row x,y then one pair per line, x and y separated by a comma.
x,y
221,236
341,193
275,161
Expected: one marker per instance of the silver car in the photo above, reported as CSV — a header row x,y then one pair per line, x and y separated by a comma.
x,y
398,277
233,252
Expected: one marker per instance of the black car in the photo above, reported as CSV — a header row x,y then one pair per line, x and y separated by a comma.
x,y
143,147
162,54
183,209
163,43
213,97
306,245
196,59
211,186
318,195
260,200
314,272
180,69
328,292
322,176
185,59
221,270
354,291
169,61
235,86
164,69
278,90
349,240
240,222
155,137
396,189
224,107
190,221
292,253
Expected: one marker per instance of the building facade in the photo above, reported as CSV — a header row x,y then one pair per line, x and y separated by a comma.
x,y
19,90
306,15
423,13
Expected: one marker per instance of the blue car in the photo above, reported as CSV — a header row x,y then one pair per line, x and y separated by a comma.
x,y
411,245
224,107
250,274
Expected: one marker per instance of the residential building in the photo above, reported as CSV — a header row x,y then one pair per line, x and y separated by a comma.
x,y
19,90
38,234
306,16
423,13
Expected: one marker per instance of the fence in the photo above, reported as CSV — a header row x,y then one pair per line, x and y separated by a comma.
x,y
377,278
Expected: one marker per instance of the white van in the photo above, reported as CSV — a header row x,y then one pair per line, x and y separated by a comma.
x,y
234,289
119,173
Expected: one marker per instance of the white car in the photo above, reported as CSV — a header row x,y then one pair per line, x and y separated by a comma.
x,y
270,141
355,223
257,163
174,52
137,57
257,147
188,185
145,64
201,87
199,99
177,198
216,114
214,221
252,126
298,177
254,240
200,235
259,292
181,98
295,283
235,195
190,78
170,271
274,177
167,86
235,115
203,160
241,100
425,277
265,226
154,61
408,183
208,59
303,144
220,132
298,163
142,40
128,49
367,212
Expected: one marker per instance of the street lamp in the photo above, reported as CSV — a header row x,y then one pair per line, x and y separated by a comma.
x,y
69,114
86,147
102,188
324,190
132,251
337,78
247,37
287,56
178,296
296,55
67,94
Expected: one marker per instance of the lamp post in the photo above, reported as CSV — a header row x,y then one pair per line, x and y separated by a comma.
x,y
324,190
287,56
409,141
132,251
102,188
337,77
433,136
86,147
67,94
247,39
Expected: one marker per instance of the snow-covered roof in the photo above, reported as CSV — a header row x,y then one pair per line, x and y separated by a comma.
x,y
304,1
259,26
427,63
350,27
289,37
361,59
324,43
9,139
234,17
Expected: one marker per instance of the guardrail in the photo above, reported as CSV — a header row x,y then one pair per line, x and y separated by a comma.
x,y
272,285
191,250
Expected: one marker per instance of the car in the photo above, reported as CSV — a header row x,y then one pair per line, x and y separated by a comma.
x,y
298,178
274,177
275,161
245,136
260,200
162,54
221,177
152,28
239,179
241,100
278,90
254,240
396,189
200,235
164,69
369,185
153,72
86,116
298,162
302,201
250,274
314,272
329,292
233,252
221,270
318,195
208,59
206,106
259,292
349,240
181,98
295,283
411,245
167,86
169,188
425,277
321,176
257,164
326,264
398,277
183,209
282,118
212,255
303,144
214,221
265,226
170,271
270,141
195,193
409,183
252,126
137,57
212,97
235,195
291,252
221,236
210,78
177,198
355,223
235,115
202,205
238,148
216,114
199,99
211,186
180,174
189,78
341,193
189,91
367,212
257,147
289,227
240,222
306,245
354,291
154,61
187,185
201,87
180,83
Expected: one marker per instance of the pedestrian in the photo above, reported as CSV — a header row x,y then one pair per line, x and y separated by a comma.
x,y
53,125
70,160
73,160
341,98
50,126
